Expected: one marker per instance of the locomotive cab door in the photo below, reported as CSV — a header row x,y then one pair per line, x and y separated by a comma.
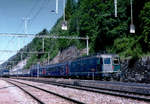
x,y
107,65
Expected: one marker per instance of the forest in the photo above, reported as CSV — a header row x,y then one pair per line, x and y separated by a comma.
x,y
107,33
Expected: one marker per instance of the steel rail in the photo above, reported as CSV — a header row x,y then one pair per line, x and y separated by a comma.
x,y
107,91
50,92
34,97
126,94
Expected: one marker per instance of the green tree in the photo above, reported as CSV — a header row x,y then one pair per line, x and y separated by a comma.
x,y
69,9
145,26
96,20
127,47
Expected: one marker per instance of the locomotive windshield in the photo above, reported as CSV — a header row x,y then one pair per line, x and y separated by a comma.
x,y
107,61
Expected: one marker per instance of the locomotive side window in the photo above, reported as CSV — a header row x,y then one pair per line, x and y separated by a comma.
x,y
107,61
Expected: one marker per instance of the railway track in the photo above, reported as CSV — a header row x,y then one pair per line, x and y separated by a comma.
x,y
120,93
32,96
22,86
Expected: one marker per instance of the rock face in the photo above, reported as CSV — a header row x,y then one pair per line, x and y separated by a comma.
x,y
20,65
136,70
67,54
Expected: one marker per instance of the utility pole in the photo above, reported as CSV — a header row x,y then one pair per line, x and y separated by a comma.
x,y
64,3
43,44
48,58
38,69
87,45
21,55
26,19
22,58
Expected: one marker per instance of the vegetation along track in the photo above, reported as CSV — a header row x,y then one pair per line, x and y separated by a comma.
x,y
120,93
49,92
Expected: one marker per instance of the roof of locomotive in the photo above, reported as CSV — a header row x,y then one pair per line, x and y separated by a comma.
x,y
109,55
95,56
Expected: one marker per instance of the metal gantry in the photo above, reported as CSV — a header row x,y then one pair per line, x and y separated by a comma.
x,y
43,37
53,36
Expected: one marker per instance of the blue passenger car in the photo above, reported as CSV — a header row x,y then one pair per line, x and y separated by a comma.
x,y
33,72
4,72
56,70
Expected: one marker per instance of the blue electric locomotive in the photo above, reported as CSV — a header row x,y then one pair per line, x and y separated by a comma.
x,y
99,66
104,65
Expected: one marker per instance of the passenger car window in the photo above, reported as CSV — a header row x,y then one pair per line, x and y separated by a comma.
x,y
101,61
73,65
107,61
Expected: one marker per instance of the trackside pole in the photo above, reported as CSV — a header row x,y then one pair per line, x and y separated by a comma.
x,y
87,45
93,75
48,58
38,69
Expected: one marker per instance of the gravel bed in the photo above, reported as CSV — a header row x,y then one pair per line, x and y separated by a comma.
x,y
131,87
10,94
85,96
44,96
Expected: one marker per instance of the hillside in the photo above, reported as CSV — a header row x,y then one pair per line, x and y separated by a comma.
x,y
95,18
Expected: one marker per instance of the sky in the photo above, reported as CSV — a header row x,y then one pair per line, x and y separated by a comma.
x,y
12,14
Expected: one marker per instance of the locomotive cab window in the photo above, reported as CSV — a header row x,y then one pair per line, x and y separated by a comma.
x,y
116,61
107,61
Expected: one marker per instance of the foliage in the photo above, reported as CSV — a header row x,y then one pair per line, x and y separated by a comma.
x,y
145,26
95,19
127,47
69,9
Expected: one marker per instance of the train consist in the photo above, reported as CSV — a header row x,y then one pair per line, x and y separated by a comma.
x,y
4,73
98,66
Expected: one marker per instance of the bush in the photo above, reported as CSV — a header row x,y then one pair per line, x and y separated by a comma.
x,y
127,47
